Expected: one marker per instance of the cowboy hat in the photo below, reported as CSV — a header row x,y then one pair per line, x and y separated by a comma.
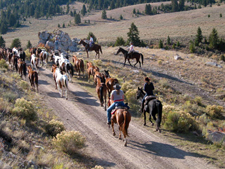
x,y
117,87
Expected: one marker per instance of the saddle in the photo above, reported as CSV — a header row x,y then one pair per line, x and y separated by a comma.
x,y
148,98
119,107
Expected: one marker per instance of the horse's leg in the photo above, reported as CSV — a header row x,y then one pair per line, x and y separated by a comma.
x,y
144,118
112,124
137,60
150,119
125,61
87,53
129,61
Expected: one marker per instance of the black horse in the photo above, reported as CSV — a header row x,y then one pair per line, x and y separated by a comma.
x,y
154,107
22,54
128,56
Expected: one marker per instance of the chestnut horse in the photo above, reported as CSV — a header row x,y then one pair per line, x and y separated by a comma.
x,y
33,77
122,117
78,65
109,82
135,55
101,89
153,107
22,67
94,47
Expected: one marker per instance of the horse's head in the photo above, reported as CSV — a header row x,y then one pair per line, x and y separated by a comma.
x,y
140,93
54,67
107,73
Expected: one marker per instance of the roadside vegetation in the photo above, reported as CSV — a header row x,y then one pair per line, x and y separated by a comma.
x,y
31,136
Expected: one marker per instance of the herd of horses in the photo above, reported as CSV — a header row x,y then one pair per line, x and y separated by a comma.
x,y
63,71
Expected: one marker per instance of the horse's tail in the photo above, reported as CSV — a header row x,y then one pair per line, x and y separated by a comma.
x,y
126,115
72,70
81,65
159,110
101,94
142,58
24,65
100,49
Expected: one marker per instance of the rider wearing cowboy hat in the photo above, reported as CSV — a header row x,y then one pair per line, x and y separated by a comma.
x,y
117,96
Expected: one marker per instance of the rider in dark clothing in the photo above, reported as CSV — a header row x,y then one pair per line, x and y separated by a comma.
x,y
148,88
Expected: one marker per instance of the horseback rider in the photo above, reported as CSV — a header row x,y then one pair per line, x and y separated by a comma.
x,y
117,96
131,49
148,88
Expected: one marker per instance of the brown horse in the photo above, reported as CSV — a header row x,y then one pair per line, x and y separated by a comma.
x,y
78,65
101,89
54,74
95,47
22,67
44,57
33,77
128,56
122,117
109,82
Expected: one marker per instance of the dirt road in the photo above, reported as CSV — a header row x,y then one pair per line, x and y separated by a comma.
x,y
145,149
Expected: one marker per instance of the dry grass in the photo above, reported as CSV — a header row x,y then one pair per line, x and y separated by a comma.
x,y
175,25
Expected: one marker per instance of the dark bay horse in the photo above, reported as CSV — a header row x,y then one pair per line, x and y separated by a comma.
x,y
33,77
135,55
22,68
122,117
153,107
101,90
94,47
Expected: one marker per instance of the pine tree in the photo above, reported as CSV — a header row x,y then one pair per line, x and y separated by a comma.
x,y
83,10
160,44
168,40
77,19
2,42
16,43
199,37
29,45
213,39
148,9
174,5
181,5
119,41
134,11
112,5
133,35
104,15
93,36
67,8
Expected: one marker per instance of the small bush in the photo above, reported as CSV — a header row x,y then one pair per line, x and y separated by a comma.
x,y
10,96
23,84
69,141
159,62
3,64
192,47
130,96
54,127
164,83
160,44
25,109
126,86
178,44
221,15
180,122
222,57
208,16
98,167
97,62
215,111
204,119
174,46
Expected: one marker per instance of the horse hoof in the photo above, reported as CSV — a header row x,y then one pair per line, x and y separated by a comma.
x,y
152,124
114,134
144,124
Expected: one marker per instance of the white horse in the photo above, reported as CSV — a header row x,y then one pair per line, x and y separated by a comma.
x,y
44,57
34,61
62,82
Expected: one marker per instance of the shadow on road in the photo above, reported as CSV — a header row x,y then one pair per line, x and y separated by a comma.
x,y
163,150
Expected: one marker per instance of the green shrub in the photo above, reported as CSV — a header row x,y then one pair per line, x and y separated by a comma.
x,y
204,119
54,127
120,41
10,96
215,111
192,47
69,141
3,64
160,44
198,100
180,122
23,84
130,97
126,86
24,109
97,62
